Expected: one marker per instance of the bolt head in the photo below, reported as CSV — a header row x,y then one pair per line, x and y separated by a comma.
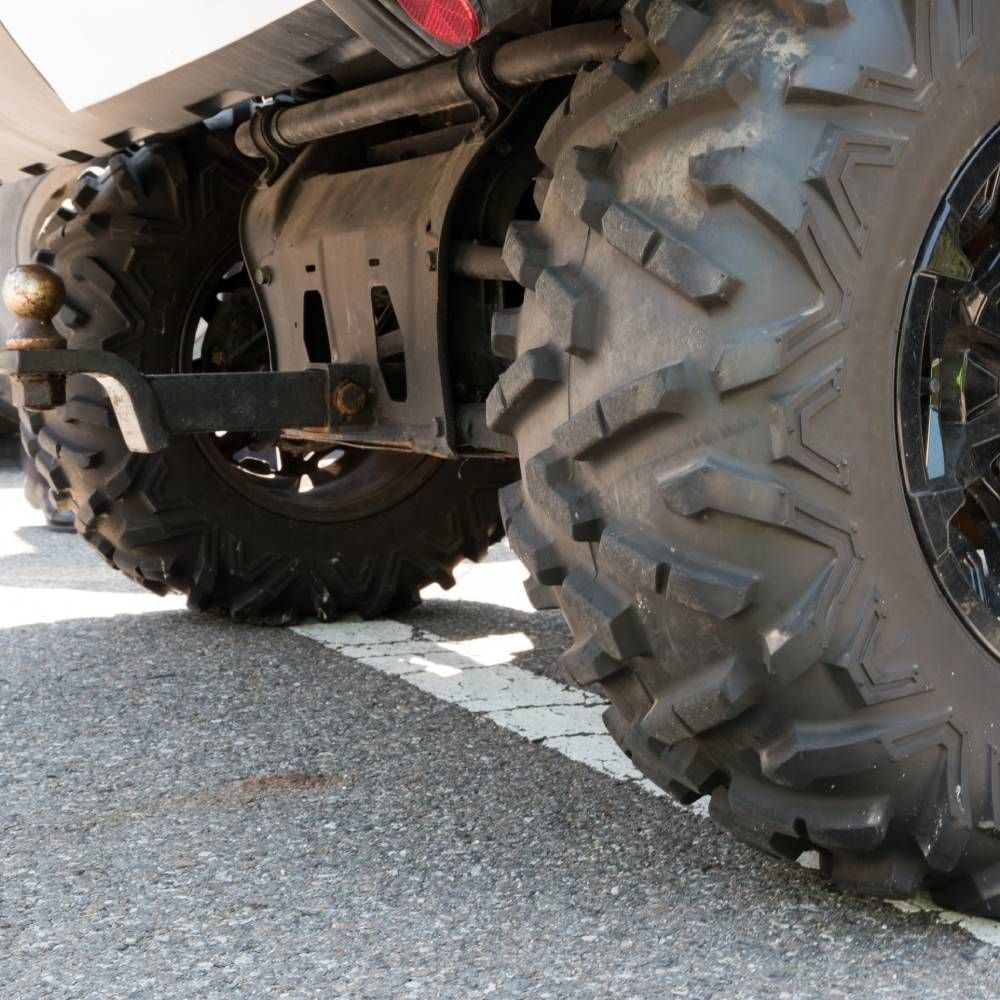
x,y
33,291
44,392
349,398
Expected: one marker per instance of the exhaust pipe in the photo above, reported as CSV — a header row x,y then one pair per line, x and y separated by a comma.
x,y
459,82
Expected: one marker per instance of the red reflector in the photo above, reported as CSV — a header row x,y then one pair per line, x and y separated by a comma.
x,y
453,22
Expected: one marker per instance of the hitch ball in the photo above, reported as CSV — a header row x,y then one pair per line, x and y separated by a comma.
x,y
34,293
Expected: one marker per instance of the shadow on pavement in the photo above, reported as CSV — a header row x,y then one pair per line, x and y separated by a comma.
x,y
194,806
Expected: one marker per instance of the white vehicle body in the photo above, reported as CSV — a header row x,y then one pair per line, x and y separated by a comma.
x,y
83,80
84,51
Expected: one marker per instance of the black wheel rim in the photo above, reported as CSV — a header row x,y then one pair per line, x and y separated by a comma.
x,y
948,394
225,331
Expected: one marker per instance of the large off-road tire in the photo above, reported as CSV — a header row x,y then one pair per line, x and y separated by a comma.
x,y
136,253
702,391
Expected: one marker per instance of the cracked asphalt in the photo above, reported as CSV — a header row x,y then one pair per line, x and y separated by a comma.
x,y
191,808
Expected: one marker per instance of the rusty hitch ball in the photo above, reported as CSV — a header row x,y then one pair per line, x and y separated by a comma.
x,y
34,293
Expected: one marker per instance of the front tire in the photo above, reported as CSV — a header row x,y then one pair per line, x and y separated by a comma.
x,y
702,392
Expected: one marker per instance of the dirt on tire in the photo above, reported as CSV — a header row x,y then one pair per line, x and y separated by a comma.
x,y
702,391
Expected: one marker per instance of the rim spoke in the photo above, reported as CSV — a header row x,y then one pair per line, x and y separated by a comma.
x,y
947,257
988,503
210,308
323,475
981,295
234,281
234,441
971,449
984,205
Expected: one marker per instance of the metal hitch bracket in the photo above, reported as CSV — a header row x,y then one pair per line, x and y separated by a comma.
x,y
150,408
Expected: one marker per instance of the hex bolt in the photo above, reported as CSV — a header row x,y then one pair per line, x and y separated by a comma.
x,y
349,398
34,293
37,393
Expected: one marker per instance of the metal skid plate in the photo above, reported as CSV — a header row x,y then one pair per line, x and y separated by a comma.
x,y
340,235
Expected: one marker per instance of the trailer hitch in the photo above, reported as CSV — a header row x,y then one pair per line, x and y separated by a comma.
x,y
150,408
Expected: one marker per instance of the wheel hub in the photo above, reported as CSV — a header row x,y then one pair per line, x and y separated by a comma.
x,y
225,332
948,394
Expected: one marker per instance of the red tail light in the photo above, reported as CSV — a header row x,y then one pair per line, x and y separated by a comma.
x,y
454,22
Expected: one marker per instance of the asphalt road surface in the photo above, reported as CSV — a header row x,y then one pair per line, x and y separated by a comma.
x,y
191,808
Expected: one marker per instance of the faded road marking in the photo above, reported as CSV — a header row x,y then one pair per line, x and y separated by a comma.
x,y
479,676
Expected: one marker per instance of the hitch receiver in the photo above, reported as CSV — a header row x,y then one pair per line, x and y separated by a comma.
x,y
150,408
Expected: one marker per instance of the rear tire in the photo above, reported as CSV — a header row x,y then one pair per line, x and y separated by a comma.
x,y
134,256
702,394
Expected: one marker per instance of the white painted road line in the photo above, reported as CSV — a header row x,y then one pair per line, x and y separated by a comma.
x,y
478,676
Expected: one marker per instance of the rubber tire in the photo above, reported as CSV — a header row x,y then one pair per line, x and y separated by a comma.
x,y
703,400
143,237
